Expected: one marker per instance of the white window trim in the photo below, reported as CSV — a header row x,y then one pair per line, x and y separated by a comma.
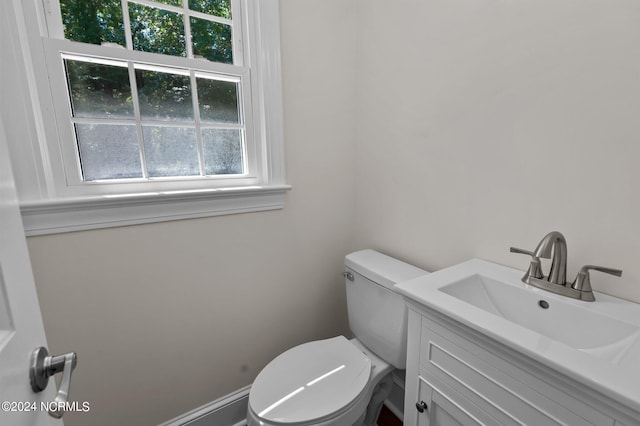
x,y
65,215
48,209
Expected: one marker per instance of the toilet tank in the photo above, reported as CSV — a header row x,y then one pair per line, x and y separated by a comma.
x,y
377,313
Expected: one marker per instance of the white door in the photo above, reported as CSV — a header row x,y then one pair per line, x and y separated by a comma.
x,y
21,329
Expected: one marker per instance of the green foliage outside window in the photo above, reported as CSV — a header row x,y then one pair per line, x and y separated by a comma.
x,y
93,21
152,29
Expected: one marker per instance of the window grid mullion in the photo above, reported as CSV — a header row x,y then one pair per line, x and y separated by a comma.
x,y
126,21
212,18
187,28
136,113
196,116
185,10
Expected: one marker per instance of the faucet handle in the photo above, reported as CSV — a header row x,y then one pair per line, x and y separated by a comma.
x,y
583,282
535,269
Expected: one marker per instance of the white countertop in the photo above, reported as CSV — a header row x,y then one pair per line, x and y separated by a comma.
x,y
619,378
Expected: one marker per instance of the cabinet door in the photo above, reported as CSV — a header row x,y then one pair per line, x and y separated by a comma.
x,y
442,410
509,394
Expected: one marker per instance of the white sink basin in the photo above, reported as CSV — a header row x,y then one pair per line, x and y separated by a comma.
x,y
596,343
575,325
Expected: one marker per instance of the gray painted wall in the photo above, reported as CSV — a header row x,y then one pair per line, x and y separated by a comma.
x,y
487,124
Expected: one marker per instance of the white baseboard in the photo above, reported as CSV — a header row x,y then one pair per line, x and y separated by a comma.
x,y
230,410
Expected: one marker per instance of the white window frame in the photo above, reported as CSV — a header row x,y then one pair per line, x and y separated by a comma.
x,y
58,203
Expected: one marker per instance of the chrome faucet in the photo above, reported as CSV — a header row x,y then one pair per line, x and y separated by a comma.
x,y
554,246
554,242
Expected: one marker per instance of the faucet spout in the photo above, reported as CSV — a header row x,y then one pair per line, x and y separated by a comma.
x,y
554,243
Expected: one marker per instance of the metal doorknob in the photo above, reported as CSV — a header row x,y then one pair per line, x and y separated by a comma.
x,y
422,406
44,366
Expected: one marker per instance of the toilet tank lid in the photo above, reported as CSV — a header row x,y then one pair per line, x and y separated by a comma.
x,y
380,268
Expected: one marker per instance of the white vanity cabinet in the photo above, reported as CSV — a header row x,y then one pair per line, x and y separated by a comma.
x,y
458,376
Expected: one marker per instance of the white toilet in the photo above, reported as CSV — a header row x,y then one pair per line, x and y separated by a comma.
x,y
338,381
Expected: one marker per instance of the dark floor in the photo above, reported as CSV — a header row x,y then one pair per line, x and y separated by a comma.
x,y
386,418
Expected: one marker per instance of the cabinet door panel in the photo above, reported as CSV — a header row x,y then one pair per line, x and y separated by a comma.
x,y
443,410
510,394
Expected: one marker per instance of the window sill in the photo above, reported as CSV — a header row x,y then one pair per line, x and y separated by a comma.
x,y
78,214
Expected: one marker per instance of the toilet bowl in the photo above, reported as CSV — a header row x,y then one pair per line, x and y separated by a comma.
x,y
325,382
338,381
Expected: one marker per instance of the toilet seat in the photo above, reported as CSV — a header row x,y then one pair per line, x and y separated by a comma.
x,y
310,382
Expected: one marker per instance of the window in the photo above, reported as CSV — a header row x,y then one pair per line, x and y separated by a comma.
x,y
157,102
134,117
